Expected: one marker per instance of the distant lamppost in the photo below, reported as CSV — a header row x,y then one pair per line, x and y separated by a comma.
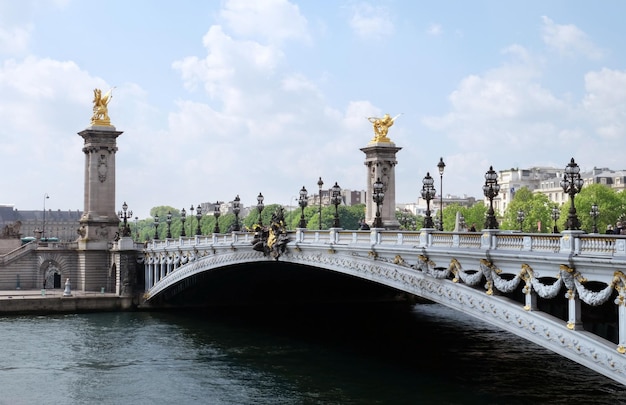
x,y
302,202
336,200
136,229
190,221
183,217
156,226
125,215
521,215
428,193
594,215
320,183
572,183
236,209
259,207
556,213
441,166
168,221
198,218
491,189
43,230
378,196
216,214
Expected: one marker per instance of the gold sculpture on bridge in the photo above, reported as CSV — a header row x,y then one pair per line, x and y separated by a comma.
x,y
100,108
381,127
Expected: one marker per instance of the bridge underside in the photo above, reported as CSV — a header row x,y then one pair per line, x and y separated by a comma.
x,y
271,282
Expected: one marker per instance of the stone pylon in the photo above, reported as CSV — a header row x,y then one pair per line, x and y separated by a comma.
x,y
380,160
99,223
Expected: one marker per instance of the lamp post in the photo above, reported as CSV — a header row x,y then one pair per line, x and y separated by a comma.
x,y
236,209
594,215
556,213
125,215
168,221
183,217
491,189
198,218
156,226
190,221
336,200
320,183
216,214
302,202
136,229
441,166
43,226
259,207
520,219
572,183
428,193
378,196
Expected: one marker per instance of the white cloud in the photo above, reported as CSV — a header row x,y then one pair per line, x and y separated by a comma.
x,y
275,21
605,102
505,116
569,40
370,22
435,30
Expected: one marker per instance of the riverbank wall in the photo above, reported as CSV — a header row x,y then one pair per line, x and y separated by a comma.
x,y
41,302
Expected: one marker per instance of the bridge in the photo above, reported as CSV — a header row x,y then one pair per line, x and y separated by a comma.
x,y
566,292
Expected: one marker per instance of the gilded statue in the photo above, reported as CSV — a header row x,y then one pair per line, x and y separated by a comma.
x,y
381,127
100,107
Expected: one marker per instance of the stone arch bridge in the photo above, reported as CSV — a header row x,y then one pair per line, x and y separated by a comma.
x,y
566,292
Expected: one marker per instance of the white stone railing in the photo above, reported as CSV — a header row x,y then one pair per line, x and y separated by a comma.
x,y
568,242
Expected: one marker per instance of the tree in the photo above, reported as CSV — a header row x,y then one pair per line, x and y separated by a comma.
x,y
474,215
610,205
537,211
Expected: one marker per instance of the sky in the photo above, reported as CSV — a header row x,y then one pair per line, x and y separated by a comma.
x,y
223,98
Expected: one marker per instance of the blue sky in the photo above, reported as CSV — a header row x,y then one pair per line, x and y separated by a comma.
x,y
219,98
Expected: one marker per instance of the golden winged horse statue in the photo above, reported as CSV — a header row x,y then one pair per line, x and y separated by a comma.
x,y
100,109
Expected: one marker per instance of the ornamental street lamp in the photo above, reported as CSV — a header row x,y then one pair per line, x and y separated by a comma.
x,y
216,214
190,223
302,202
336,200
441,166
156,226
168,221
320,183
521,215
491,189
556,213
236,209
125,215
198,218
259,207
572,183
183,217
378,196
136,229
43,230
428,193
594,215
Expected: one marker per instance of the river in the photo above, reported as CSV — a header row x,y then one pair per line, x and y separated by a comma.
x,y
358,354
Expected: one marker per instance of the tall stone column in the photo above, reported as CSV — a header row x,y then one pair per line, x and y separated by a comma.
x,y
99,223
380,160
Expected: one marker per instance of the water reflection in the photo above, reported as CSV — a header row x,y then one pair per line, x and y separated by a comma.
x,y
315,355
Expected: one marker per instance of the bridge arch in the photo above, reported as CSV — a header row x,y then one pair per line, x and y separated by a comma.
x,y
468,273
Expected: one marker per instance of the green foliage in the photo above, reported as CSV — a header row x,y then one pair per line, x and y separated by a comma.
x,y
537,212
473,215
610,205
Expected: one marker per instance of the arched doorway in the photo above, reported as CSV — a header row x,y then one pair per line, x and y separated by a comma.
x,y
51,275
